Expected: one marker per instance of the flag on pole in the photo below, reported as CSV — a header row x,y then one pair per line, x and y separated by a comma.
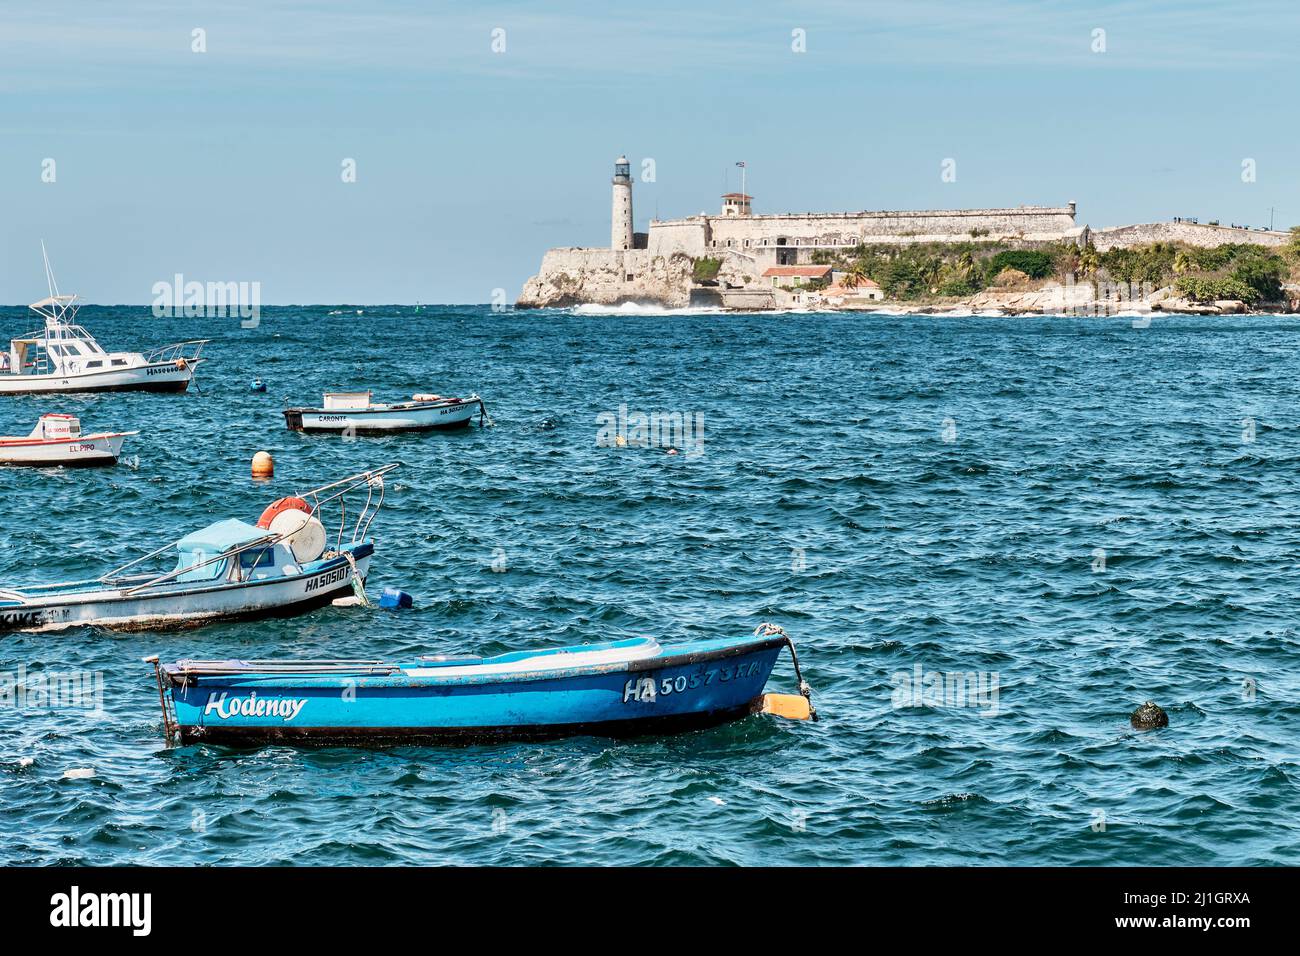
x,y
741,164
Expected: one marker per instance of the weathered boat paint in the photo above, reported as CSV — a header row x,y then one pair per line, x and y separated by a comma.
x,y
57,441
620,689
177,603
229,569
361,417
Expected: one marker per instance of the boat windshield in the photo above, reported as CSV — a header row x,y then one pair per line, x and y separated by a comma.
x,y
195,550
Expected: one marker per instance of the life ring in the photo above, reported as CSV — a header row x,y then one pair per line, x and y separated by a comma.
x,y
281,504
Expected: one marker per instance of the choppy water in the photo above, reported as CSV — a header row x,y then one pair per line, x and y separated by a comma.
x,y
948,482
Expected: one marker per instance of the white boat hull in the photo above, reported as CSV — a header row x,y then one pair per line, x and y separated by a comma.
x,y
154,377
400,418
183,604
66,452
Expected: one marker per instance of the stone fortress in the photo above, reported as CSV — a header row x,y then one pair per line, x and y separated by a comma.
x,y
657,267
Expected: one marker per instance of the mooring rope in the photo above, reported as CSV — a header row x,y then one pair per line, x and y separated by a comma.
x,y
358,585
776,630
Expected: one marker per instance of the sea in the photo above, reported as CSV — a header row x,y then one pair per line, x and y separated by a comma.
x,y
991,539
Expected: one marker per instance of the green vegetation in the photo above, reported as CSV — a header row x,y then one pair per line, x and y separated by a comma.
x,y
954,270
948,270
1204,289
706,269
1035,264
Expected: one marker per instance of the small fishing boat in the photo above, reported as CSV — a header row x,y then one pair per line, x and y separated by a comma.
x,y
63,357
355,413
57,440
284,564
617,689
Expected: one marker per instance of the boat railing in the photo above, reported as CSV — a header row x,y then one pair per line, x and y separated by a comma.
x,y
177,351
232,667
373,480
265,542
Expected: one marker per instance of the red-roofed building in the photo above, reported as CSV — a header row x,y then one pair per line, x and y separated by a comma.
x,y
788,277
864,290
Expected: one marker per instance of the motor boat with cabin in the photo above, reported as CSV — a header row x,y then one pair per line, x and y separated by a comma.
x,y
57,440
62,356
284,564
355,414
619,688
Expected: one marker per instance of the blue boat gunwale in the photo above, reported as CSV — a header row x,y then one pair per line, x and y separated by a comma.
x,y
178,679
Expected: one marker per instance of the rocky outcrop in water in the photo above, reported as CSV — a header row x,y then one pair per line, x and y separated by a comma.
x,y
608,277
1149,717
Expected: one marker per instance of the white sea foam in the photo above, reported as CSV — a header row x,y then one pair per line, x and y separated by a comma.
x,y
642,308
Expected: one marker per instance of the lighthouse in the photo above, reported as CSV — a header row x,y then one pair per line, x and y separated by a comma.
x,y
621,230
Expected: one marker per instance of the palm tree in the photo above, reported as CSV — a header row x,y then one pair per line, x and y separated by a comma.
x,y
854,277
931,269
1089,261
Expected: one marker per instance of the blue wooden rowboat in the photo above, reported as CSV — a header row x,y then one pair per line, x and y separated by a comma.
x,y
616,689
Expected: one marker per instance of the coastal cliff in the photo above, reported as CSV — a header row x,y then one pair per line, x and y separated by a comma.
x,y
608,277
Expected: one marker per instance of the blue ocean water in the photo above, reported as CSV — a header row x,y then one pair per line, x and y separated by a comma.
x,y
1080,514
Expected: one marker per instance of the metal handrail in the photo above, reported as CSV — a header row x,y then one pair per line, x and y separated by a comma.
x,y
113,576
271,540
267,541
173,351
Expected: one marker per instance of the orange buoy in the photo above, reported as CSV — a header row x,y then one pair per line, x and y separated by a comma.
x,y
281,504
263,465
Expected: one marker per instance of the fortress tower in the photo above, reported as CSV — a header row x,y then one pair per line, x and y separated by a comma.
x,y
621,230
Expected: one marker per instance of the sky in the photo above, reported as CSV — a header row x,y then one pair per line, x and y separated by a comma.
x,y
483,134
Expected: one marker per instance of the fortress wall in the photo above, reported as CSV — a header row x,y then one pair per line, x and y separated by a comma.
x,y
1034,223
1194,234
679,235
572,276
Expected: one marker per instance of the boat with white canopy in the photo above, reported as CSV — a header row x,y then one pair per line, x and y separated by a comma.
x,y
286,563
62,356
57,440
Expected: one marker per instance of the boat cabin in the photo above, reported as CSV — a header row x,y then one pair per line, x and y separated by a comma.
x,y
57,426
346,400
62,347
199,555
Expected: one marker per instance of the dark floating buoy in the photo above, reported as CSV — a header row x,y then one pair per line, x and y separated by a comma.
x,y
394,598
1149,716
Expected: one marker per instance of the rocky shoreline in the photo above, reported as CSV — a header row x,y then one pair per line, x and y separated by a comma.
x,y
573,277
